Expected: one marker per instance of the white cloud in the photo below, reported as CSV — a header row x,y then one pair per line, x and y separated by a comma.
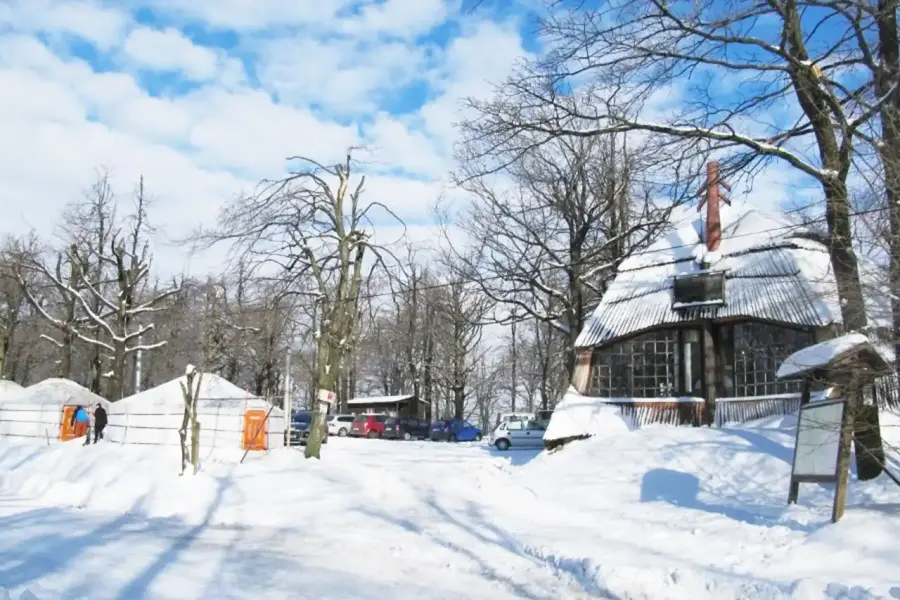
x,y
200,148
342,76
243,15
87,19
170,50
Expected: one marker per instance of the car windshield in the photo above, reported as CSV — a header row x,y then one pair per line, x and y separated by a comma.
x,y
391,421
303,417
360,419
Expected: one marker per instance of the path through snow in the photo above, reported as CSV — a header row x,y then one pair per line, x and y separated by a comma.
x,y
656,513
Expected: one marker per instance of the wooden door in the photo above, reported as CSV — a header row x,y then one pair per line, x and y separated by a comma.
x,y
255,430
66,428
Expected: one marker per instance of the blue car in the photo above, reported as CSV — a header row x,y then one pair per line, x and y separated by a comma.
x,y
455,430
300,425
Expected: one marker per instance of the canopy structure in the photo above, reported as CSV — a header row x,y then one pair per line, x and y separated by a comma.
x,y
41,410
228,416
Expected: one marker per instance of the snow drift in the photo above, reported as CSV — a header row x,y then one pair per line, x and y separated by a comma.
x,y
657,513
577,416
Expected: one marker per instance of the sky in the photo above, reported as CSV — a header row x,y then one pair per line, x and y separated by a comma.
x,y
206,97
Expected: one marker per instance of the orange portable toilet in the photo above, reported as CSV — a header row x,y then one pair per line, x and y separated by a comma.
x,y
66,427
255,430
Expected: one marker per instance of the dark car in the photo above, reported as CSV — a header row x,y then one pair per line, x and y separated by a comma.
x,y
300,425
455,430
405,428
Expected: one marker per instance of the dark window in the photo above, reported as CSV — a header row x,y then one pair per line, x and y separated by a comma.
x,y
345,419
360,418
380,418
700,288
756,352
392,421
646,366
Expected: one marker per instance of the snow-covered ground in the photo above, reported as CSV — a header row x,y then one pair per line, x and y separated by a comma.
x,y
654,513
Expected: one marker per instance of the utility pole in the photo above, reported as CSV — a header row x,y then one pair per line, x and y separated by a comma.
x,y
288,412
515,382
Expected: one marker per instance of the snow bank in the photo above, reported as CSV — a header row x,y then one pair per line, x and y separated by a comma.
x,y
578,416
37,411
672,513
154,416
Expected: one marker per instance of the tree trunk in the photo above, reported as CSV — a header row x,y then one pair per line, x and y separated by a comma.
x,y
117,382
328,373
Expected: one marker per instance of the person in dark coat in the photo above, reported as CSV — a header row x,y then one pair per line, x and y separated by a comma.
x,y
99,422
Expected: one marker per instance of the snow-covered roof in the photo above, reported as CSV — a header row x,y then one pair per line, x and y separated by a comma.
x,y
380,400
212,387
828,352
55,391
772,272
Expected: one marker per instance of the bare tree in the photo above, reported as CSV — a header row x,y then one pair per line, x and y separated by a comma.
x,y
12,302
107,317
577,208
461,313
309,230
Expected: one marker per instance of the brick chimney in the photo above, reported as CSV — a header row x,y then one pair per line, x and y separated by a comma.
x,y
713,221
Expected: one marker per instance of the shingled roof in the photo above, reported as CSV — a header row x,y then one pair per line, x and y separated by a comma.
x,y
774,271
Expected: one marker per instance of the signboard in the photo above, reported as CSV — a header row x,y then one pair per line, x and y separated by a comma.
x,y
326,396
821,440
818,441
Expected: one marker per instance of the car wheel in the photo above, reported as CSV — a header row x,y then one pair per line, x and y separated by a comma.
x,y
453,437
372,435
406,436
342,432
478,438
502,444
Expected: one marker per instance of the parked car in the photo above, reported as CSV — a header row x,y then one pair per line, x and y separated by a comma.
x,y
455,430
405,428
519,434
339,425
300,424
370,426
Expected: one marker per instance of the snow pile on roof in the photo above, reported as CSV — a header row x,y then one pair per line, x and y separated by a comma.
x,y
380,399
212,387
8,387
773,271
58,391
827,352
577,416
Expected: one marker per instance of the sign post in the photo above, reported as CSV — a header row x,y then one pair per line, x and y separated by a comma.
x,y
822,451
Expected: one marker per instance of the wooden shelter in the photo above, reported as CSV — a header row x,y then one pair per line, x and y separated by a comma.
x,y
405,405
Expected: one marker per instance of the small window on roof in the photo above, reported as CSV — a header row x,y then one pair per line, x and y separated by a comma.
x,y
698,289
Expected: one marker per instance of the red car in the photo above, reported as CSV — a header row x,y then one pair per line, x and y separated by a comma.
x,y
370,426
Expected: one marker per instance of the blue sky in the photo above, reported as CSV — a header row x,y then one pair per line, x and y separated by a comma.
x,y
207,97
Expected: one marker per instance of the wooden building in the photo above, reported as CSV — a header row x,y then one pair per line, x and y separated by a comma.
x,y
693,329
407,405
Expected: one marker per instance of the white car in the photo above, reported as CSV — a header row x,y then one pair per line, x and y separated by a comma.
x,y
518,434
339,425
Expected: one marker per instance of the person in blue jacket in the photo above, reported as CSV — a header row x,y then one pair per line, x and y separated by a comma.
x,y
81,423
